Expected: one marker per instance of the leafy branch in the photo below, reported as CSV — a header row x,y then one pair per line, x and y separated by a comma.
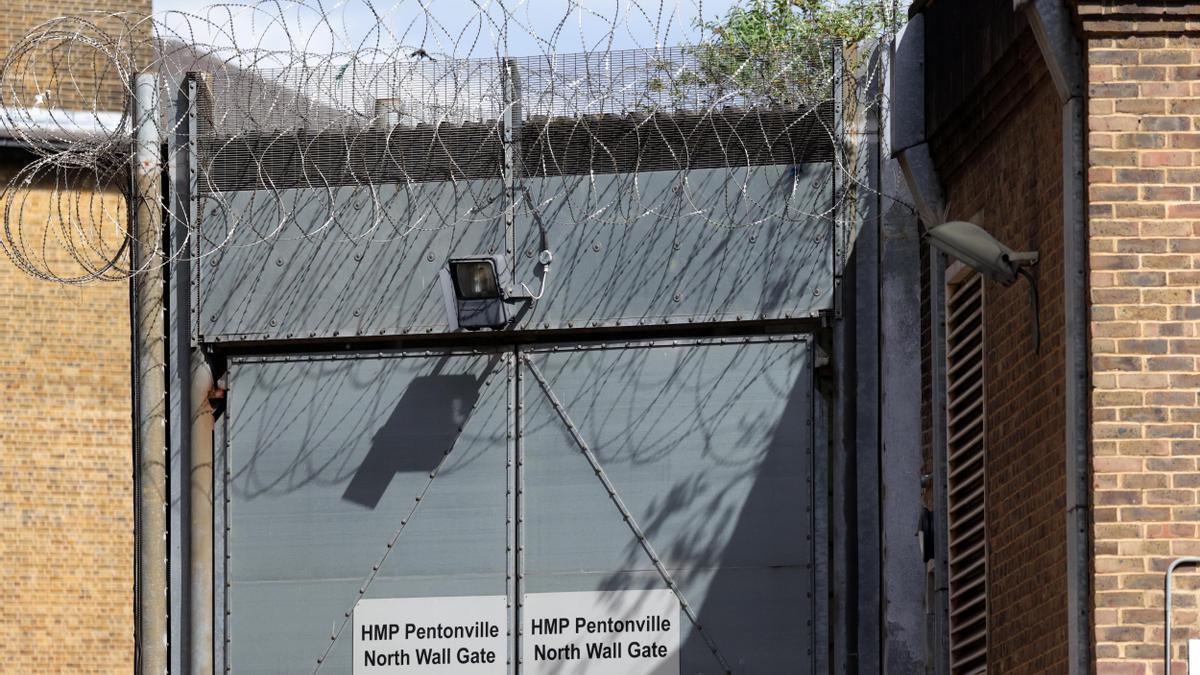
x,y
769,52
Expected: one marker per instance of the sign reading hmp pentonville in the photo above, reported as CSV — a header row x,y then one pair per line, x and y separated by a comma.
x,y
431,636
601,633
590,633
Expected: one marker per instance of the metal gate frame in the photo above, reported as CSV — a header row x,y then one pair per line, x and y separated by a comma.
x,y
513,357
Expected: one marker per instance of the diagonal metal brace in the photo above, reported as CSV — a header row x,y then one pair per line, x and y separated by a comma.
x,y
391,546
340,627
625,513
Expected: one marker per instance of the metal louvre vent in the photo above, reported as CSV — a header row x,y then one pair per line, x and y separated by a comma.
x,y
967,477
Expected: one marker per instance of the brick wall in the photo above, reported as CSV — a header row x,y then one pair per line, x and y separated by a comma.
x,y
1000,157
95,76
66,539
66,521
1144,124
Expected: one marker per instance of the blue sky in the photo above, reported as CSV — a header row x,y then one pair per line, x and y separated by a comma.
x,y
459,27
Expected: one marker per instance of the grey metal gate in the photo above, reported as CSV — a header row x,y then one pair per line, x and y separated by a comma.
x,y
341,479
668,464
707,449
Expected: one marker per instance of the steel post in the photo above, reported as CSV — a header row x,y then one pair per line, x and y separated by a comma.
x,y
200,483
151,460
510,81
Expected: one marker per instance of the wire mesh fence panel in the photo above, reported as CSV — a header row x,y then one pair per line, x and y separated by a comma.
x,y
309,96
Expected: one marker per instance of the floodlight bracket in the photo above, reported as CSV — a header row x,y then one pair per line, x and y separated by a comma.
x,y
1023,258
545,258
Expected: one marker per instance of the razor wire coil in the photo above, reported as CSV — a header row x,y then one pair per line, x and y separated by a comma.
x,y
372,132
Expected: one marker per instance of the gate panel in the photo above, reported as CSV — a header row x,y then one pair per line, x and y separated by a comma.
x,y
681,247
330,461
649,247
708,448
305,262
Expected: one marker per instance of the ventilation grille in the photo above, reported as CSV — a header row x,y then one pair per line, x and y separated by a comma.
x,y
967,478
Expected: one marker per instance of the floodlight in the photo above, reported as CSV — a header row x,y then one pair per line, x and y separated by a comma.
x,y
475,279
980,251
983,253
474,291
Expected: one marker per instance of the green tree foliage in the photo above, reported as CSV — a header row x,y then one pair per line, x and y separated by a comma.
x,y
775,52
772,25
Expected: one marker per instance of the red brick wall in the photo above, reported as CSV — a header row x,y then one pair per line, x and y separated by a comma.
x,y
1002,156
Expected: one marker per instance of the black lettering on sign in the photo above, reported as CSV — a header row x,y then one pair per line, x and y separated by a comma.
x,y
433,657
599,650
549,626
565,653
467,655
638,650
395,658
380,631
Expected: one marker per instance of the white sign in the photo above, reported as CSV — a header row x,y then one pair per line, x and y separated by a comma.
x,y
431,636
601,633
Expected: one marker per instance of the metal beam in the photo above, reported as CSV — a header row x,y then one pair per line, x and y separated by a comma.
x,y
865,344
177,332
899,416
510,86
906,138
940,474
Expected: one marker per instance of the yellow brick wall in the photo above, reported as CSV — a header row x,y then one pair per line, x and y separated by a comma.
x,y
66,520
104,25
66,500
1144,184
